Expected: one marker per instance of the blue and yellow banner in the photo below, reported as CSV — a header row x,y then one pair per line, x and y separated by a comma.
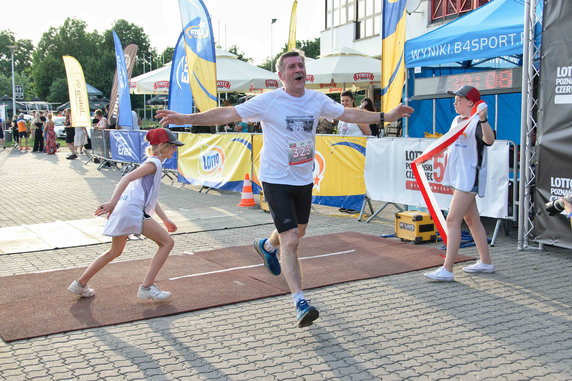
x,y
180,95
79,102
216,161
257,143
201,55
124,118
292,32
339,171
392,48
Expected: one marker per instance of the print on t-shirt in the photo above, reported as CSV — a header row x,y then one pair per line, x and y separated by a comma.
x,y
299,123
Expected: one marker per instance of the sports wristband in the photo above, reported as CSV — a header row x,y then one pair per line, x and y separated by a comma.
x,y
570,215
381,117
484,121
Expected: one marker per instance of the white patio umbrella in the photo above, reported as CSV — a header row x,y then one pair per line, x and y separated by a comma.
x,y
233,75
342,68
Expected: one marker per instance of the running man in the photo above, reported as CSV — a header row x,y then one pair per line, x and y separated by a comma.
x,y
289,117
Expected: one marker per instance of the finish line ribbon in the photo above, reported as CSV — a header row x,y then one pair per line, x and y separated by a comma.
x,y
434,149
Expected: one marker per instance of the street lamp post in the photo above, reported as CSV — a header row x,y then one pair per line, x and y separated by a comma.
x,y
12,47
271,53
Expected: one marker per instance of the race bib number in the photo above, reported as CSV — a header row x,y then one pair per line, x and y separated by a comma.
x,y
301,152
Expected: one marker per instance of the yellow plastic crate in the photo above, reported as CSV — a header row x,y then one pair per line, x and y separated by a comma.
x,y
415,226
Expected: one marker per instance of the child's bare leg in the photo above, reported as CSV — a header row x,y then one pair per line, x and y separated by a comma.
x,y
117,246
155,232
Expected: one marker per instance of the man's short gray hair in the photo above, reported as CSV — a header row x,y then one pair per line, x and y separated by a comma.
x,y
291,53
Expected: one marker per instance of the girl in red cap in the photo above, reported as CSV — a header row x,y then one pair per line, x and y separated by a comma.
x,y
129,212
466,174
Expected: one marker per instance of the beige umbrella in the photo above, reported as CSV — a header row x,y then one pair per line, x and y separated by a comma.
x,y
341,69
233,75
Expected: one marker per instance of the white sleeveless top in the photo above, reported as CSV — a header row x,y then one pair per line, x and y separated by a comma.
x,y
462,162
139,196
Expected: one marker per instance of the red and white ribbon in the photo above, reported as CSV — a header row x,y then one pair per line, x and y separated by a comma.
x,y
434,149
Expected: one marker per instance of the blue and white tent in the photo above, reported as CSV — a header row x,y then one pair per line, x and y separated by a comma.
x,y
494,30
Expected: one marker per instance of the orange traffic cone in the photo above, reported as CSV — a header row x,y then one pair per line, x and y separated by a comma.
x,y
247,197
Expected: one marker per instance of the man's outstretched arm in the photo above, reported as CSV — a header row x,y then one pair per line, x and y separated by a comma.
x,y
219,115
356,115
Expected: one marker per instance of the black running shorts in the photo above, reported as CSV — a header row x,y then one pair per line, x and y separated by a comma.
x,y
289,204
70,134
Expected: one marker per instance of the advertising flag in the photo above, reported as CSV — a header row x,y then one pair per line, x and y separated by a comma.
x,y
124,101
130,54
201,56
392,63
79,102
292,33
180,95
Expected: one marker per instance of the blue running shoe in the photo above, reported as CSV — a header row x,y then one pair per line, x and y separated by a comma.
x,y
270,259
305,313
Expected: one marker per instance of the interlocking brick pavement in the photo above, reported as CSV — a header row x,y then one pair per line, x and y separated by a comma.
x,y
512,325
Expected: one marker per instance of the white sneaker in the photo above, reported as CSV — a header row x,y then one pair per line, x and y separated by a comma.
x,y
76,288
479,267
152,292
441,275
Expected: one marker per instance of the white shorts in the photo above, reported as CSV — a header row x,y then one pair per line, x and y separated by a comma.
x,y
80,138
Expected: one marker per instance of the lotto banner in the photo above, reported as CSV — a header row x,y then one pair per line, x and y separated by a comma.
x,y
215,161
389,176
554,178
257,142
125,146
339,171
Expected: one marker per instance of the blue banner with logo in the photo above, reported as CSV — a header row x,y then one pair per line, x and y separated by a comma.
x,y
180,94
124,118
125,146
200,50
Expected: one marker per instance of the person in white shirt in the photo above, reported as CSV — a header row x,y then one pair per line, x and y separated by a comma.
x,y
288,117
130,211
351,129
466,174
136,121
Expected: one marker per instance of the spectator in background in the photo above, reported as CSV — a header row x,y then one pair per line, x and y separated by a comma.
x,y
80,139
136,120
50,134
101,123
23,132
351,129
2,141
325,126
38,125
70,134
367,104
15,131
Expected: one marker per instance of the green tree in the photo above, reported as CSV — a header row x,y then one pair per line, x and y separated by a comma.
x,y
311,49
59,91
22,53
167,55
69,39
21,79
239,53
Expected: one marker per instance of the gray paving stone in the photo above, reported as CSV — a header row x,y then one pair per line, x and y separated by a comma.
x,y
512,325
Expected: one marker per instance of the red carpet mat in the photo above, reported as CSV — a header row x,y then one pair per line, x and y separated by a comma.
x,y
39,304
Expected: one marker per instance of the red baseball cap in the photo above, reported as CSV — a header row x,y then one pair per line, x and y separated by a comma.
x,y
162,135
468,92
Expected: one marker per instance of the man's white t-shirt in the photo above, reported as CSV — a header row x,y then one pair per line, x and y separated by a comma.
x,y
289,128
